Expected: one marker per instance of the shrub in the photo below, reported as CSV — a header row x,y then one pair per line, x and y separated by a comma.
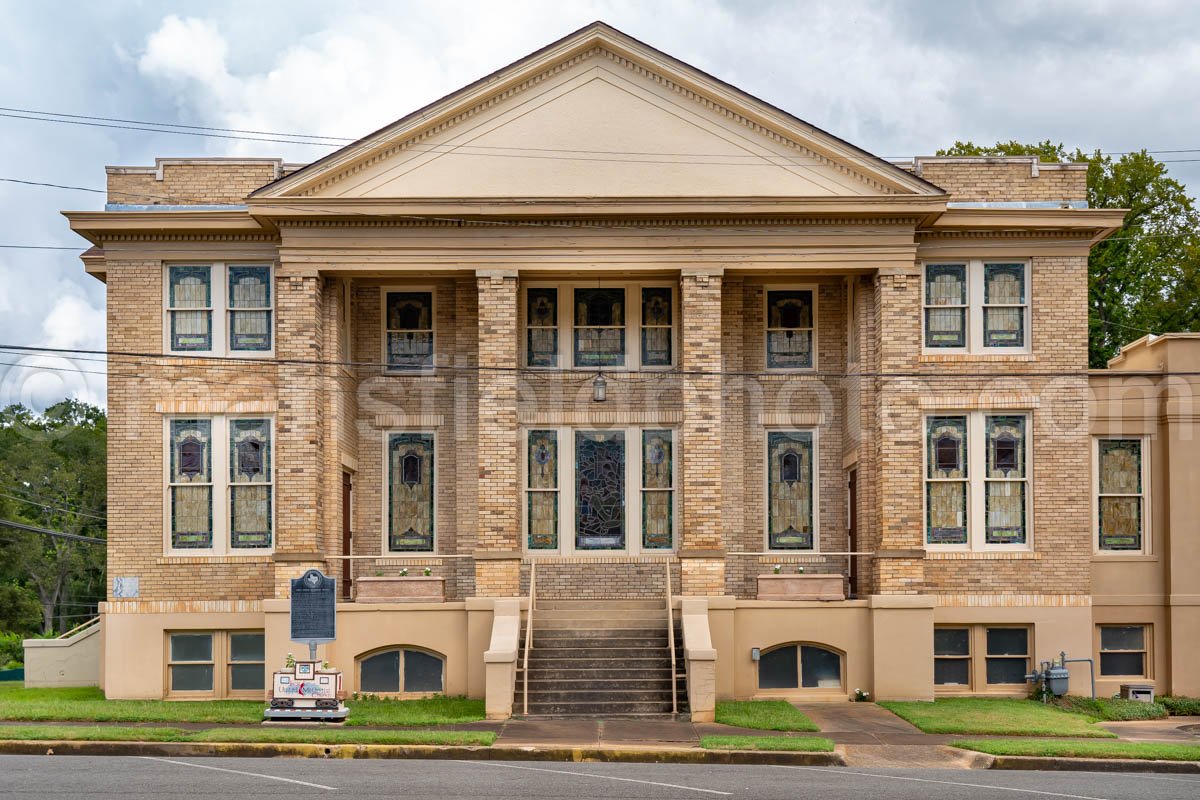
x,y
1111,709
12,647
1181,706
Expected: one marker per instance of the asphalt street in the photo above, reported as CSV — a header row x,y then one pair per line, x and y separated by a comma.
x,y
126,778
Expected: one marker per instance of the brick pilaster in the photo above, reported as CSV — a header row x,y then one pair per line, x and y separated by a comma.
x,y
702,543
498,550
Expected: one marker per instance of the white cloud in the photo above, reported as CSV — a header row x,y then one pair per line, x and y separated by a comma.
x,y
73,322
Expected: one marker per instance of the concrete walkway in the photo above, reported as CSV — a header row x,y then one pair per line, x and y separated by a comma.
x,y
1172,729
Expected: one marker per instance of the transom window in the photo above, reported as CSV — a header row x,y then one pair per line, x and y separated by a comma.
x,y
408,329
800,666
791,328
976,306
214,309
1123,650
220,485
625,326
410,498
981,657
1120,490
791,487
621,490
976,481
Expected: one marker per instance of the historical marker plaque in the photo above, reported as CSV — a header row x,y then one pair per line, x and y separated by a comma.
x,y
313,599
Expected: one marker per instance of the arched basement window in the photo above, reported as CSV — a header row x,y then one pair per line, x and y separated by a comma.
x,y
401,671
800,666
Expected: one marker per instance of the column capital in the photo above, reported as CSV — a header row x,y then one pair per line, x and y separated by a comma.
x,y
702,272
496,275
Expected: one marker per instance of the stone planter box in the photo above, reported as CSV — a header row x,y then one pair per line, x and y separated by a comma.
x,y
395,589
800,587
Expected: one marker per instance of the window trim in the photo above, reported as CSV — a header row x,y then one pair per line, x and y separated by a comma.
x,y
1146,651
800,688
222,650
388,369
815,289
974,308
385,517
1147,547
218,308
765,452
401,648
977,671
977,480
222,489
566,323
633,491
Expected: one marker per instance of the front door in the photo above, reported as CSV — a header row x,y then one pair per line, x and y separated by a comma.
x,y
347,535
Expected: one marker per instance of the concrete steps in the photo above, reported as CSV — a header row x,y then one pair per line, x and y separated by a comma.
x,y
600,659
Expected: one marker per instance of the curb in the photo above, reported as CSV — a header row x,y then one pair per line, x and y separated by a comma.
x,y
502,753
1094,764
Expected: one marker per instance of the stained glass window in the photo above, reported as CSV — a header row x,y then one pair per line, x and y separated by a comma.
x,y
658,496
1003,305
946,480
1120,493
599,327
656,326
542,494
250,483
1004,484
946,305
191,482
790,329
541,327
189,304
250,308
410,492
790,464
409,319
599,490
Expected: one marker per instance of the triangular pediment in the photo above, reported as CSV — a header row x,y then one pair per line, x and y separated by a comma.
x,y
598,115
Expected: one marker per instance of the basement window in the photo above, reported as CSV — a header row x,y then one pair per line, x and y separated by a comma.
x,y
216,664
1123,651
401,671
800,666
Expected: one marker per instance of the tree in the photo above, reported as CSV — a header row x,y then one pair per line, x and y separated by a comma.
x,y
53,475
1145,278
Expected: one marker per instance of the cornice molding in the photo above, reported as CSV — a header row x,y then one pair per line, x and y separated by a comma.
x,y
608,223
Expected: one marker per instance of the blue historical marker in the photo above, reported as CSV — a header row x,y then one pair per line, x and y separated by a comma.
x,y
309,689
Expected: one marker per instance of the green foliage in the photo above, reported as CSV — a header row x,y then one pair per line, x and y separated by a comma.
x,y
1145,278
1110,708
763,715
11,647
804,744
1057,748
1181,706
995,717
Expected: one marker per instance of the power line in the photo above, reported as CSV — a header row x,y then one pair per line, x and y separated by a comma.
x,y
51,507
74,537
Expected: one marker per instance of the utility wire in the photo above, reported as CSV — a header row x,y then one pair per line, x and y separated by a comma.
x,y
74,537
51,507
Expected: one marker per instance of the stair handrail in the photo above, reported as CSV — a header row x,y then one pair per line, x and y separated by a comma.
x,y
670,643
79,628
528,638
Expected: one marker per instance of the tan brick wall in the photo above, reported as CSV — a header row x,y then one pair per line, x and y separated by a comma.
x,y
198,183
1001,179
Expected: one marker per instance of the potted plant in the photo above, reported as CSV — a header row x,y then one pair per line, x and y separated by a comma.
x,y
800,585
401,588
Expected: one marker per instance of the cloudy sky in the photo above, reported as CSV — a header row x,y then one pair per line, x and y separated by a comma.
x,y
897,78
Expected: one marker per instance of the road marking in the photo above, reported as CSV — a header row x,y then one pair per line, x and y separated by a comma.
x,y
843,771
1139,775
240,772
594,775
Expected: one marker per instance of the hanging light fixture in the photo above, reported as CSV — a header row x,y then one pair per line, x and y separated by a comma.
x,y
599,388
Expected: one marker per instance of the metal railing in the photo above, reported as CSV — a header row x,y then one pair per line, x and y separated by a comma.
x,y
528,638
671,644
78,629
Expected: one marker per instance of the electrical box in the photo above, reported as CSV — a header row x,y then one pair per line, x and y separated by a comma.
x,y
1143,693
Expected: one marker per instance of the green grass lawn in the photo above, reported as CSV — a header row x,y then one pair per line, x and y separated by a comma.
x,y
763,715
804,744
1109,708
996,716
87,704
115,733
1043,747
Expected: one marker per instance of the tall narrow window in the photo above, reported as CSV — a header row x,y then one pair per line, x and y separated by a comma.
x,y
189,306
191,662
191,484
542,327
251,479
658,495
1003,305
790,329
952,657
599,327
946,305
249,308
247,657
600,490
946,480
790,490
409,332
542,500
410,492
656,326
1005,480
1121,494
